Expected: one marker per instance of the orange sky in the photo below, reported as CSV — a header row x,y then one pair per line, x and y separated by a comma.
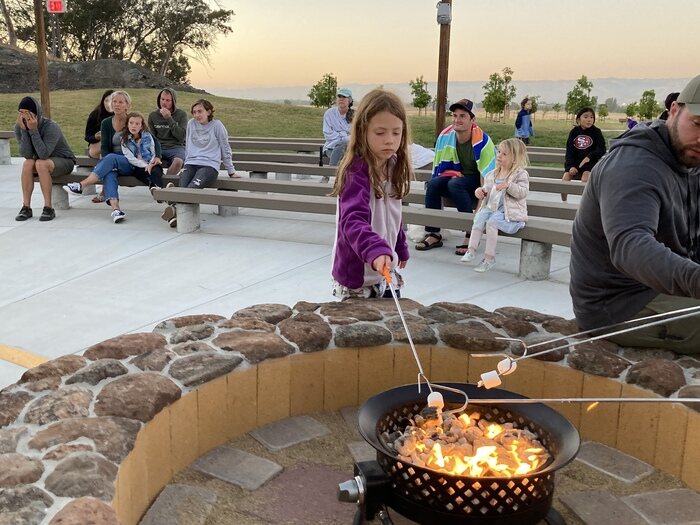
x,y
285,42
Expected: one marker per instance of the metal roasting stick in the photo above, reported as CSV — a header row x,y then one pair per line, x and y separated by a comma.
x,y
509,364
664,315
435,398
528,401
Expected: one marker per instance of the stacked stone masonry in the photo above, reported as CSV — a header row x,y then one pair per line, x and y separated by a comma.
x,y
95,438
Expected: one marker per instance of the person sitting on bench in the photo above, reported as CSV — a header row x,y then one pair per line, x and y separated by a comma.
x,y
464,153
46,153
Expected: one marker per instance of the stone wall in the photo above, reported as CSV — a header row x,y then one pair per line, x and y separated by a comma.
x,y
97,436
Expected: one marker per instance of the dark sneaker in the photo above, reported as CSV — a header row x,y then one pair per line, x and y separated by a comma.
x,y
168,214
48,214
74,188
24,214
118,216
173,222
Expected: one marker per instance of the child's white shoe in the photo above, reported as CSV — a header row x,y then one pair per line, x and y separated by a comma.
x,y
485,265
468,257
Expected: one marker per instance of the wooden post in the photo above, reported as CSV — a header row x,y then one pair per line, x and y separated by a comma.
x,y
41,57
443,65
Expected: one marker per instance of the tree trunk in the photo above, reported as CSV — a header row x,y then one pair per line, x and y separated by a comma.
x,y
11,36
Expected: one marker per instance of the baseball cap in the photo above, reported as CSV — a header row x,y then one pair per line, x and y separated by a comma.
x,y
344,92
690,96
464,104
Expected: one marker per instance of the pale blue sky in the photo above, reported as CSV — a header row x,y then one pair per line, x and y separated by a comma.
x,y
288,42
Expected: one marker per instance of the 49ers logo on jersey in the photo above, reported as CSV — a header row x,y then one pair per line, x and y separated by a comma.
x,y
583,142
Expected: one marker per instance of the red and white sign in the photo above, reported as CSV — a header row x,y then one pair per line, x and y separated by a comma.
x,y
56,6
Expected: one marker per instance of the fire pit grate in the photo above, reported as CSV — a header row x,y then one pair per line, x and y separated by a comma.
x,y
470,496
414,490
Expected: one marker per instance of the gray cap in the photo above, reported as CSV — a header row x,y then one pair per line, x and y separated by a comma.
x,y
690,96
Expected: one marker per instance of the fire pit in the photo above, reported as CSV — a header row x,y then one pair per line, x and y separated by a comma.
x,y
428,496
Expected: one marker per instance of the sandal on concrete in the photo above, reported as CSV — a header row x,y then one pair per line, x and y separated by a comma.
x,y
461,249
100,197
425,245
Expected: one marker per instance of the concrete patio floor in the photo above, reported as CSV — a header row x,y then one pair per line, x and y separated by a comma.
x,y
80,279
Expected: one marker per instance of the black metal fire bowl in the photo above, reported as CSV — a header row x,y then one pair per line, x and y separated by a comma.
x,y
428,496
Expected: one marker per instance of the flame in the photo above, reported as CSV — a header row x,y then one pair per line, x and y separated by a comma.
x,y
449,449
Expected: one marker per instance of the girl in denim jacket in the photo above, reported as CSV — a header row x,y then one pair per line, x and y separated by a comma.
x,y
138,146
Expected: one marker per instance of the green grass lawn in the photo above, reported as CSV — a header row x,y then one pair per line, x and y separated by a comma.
x,y
250,118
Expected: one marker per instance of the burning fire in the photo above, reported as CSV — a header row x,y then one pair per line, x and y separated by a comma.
x,y
468,446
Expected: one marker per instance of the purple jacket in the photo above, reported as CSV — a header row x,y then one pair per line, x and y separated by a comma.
x,y
356,243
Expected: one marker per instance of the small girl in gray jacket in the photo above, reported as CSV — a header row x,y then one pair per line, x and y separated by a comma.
x,y
503,202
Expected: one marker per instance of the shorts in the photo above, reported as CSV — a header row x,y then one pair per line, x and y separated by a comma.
x,y
61,166
168,154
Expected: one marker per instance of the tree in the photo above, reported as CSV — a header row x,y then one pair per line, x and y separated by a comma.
x,y
498,92
613,106
631,109
9,26
535,106
160,35
648,107
603,111
580,96
322,93
421,96
557,108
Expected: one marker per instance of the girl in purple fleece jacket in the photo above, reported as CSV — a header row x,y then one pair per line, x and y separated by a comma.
x,y
373,177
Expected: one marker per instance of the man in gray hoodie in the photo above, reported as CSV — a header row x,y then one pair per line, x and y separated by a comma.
x,y
46,153
169,124
635,248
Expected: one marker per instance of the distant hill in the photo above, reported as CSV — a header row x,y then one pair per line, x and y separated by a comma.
x,y
550,91
19,74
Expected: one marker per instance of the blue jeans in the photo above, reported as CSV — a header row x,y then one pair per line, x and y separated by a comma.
x,y
336,154
459,189
108,169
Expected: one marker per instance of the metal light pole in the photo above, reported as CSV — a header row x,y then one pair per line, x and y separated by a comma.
x,y
444,17
41,57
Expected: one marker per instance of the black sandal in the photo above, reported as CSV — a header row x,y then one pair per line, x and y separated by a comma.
x,y
425,245
461,249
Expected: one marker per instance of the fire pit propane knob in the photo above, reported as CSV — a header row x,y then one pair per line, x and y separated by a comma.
x,y
435,400
352,491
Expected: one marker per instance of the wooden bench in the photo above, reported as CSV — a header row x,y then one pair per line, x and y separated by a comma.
x,y
537,237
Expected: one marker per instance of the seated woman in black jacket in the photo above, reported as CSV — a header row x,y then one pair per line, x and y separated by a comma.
x,y
94,120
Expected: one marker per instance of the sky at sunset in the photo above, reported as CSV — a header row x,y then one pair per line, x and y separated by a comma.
x,y
294,42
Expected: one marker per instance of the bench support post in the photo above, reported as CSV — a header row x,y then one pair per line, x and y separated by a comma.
x,y
90,190
5,157
283,176
187,217
228,211
258,174
535,260
59,197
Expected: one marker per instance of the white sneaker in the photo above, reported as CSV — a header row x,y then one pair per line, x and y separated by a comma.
x,y
485,265
74,188
118,216
468,257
